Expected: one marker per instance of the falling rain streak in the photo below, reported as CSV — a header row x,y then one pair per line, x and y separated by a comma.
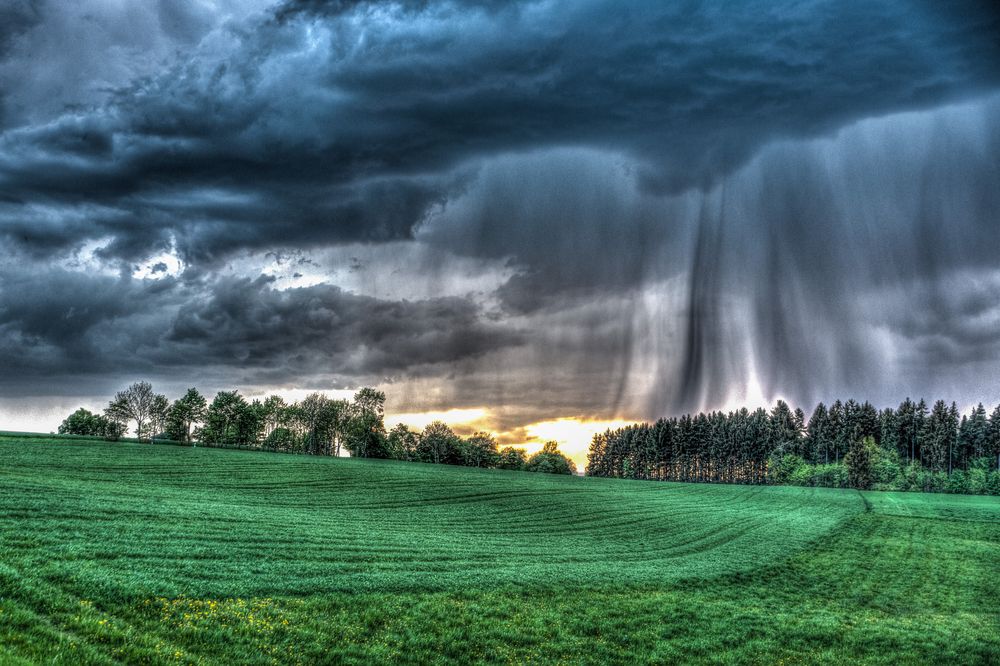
x,y
852,253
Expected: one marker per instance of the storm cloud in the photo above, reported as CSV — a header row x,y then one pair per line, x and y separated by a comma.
x,y
617,208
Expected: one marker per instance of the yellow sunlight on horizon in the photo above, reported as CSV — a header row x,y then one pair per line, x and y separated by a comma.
x,y
572,434
453,417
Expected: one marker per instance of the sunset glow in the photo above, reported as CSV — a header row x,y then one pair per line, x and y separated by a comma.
x,y
573,434
456,418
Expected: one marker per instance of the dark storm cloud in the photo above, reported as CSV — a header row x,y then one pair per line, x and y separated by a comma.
x,y
322,329
63,323
16,17
62,56
57,323
572,219
343,122
332,8
960,330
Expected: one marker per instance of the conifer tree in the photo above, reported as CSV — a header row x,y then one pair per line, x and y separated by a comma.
x,y
993,436
859,461
817,435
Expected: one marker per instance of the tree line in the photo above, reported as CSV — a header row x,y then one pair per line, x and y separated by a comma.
x,y
847,444
316,425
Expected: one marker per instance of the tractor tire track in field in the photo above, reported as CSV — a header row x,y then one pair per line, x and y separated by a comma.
x,y
187,556
211,522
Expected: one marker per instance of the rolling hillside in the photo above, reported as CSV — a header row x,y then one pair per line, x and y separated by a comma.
x,y
132,552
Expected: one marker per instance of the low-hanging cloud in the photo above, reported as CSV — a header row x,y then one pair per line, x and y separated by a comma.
x,y
227,330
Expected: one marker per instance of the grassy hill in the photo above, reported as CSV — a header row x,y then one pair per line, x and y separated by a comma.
x,y
132,552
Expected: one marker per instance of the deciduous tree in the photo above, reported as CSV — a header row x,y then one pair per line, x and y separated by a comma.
x,y
512,459
550,461
480,450
365,425
186,412
438,444
135,403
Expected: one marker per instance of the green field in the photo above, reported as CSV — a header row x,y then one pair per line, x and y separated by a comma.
x,y
141,553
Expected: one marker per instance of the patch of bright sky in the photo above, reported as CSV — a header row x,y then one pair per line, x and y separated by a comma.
x,y
750,396
86,260
165,264
459,419
572,434
403,270
296,395
28,414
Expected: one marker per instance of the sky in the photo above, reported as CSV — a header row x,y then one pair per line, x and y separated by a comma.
x,y
533,217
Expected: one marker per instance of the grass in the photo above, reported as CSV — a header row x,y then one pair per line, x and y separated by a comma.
x,y
157,554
